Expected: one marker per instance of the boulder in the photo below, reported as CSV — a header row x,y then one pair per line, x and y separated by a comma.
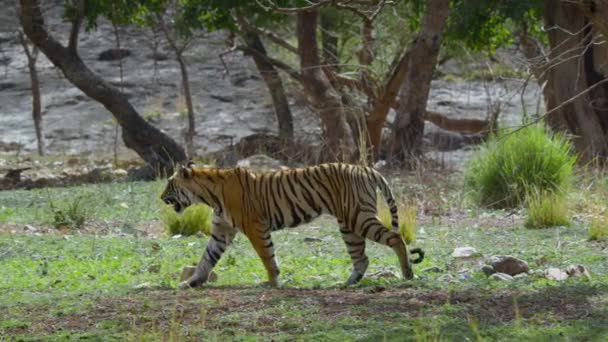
x,y
509,264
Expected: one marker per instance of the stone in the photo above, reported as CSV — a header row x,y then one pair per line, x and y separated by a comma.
x,y
555,274
502,277
432,269
487,270
509,264
578,270
384,274
447,278
464,252
464,275
113,54
520,276
260,162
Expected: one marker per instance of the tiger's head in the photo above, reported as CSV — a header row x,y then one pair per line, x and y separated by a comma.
x,y
190,185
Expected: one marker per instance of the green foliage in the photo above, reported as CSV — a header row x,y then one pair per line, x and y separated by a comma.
x,y
73,213
509,167
546,210
196,218
407,219
599,228
487,25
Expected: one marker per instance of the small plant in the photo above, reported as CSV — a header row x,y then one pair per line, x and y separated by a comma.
x,y
196,218
407,220
513,164
546,209
599,228
73,213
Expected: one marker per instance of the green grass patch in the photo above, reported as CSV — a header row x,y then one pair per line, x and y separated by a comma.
x,y
196,218
513,164
407,219
547,210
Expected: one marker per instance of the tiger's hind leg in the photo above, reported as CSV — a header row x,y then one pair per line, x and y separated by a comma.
x,y
262,243
369,226
222,235
355,245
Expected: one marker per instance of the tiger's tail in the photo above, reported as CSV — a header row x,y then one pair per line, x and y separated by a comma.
x,y
392,205
390,199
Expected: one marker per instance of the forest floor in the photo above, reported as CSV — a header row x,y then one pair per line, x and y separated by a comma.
x,y
116,277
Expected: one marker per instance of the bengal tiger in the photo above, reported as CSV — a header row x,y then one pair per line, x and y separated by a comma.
x,y
257,204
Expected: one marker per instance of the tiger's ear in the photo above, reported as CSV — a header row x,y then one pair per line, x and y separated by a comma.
x,y
190,164
185,171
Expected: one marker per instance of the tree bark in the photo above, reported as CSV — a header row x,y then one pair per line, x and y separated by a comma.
x,y
32,56
191,132
157,149
329,38
406,140
326,100
575,63
273,81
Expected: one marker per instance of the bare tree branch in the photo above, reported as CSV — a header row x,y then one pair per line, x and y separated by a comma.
x,y
76,24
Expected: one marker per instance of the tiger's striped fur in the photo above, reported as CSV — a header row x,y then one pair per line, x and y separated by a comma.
x,y
258,203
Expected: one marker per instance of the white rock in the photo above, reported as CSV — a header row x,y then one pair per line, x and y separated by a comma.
x,y
555,274
464,252
502,277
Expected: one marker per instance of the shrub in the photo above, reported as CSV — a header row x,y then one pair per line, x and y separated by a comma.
x,y
407,220
513,164
196,218
599,228
546,209
73,213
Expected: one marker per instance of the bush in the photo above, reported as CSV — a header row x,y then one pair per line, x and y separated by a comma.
x,y
547,209
599,228
196,218
513,164
407,220
73,213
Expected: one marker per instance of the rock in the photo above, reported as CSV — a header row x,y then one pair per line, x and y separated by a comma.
x,y
143,286
502,277
487,270
578,270
432,269
509,264
555,274
521,276
260,162
384,274
113,54
464,275
464,252
447,278
119,172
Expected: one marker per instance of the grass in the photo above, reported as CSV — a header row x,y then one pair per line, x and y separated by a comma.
x,y
513,164
194,219
547,210
599,228
407,219
102,287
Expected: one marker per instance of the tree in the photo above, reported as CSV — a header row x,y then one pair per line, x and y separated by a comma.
x,y
32,56
179,44
158,150
406,141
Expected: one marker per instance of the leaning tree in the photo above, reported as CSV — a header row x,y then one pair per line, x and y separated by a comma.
x,y
158,150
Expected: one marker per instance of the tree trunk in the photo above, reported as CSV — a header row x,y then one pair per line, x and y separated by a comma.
x,y
273,82
158,150
575,64
191,132
32,56
406,141
325,99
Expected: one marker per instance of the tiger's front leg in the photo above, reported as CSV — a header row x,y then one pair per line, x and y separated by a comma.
x,y
222,235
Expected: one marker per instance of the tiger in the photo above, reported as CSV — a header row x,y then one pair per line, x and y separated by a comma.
x,y
257,204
